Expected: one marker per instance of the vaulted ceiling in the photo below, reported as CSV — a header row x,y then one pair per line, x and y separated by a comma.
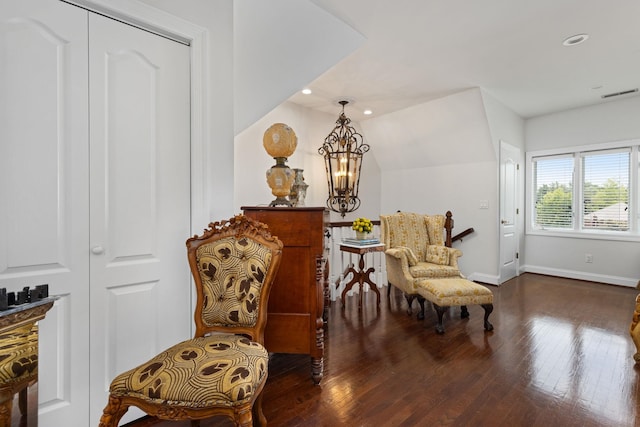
x,y
421,50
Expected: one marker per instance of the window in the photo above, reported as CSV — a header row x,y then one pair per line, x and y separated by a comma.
x,y
585,190
553,192
605,190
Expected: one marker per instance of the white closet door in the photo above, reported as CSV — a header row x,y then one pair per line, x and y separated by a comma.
x,y
129,278
140,200
44,190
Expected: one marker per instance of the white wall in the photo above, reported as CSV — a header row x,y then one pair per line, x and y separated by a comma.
x,y
253,64
311,127
281,46
436,157
457,188
217,18
614,262
449,130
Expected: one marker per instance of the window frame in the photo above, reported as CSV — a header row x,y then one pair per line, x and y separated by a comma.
x,y
577,230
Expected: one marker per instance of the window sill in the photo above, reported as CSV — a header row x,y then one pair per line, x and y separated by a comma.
x,y
592,235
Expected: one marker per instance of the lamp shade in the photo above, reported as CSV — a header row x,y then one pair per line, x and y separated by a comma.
x,y
280,140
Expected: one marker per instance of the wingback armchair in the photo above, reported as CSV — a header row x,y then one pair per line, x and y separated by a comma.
x,y
417,247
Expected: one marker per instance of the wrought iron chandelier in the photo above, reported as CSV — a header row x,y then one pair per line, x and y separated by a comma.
x,y
342,150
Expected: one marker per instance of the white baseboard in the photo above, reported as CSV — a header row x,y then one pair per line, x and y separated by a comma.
x,y
484,278
581,275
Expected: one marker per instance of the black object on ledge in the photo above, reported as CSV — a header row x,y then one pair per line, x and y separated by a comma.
x,y
11,299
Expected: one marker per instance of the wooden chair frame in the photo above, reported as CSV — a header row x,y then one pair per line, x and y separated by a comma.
x,y
244,415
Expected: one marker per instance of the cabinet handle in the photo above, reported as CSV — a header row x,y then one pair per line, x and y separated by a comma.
x,y
97,250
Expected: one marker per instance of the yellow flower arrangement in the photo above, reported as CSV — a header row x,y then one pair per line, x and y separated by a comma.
x,y
362,225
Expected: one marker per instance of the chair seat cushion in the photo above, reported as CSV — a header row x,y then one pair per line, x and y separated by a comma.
x,y
431,270
220,369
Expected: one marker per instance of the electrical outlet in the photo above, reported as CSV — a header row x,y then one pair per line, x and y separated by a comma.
x,y
484,204
588,258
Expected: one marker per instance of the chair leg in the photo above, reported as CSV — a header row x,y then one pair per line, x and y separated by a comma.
x,y
113,412
440,311
421,312
5,411
23,397
243,415
488,308
258,415
409,299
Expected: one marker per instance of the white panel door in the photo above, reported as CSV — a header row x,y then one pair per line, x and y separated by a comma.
x,y
131,273
139,200
44,191
508,211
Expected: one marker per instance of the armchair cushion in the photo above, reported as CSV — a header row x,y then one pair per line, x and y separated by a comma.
x,y
432,271
411,257
437,254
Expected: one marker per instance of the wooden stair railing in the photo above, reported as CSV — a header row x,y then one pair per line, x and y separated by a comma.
x,y
462,235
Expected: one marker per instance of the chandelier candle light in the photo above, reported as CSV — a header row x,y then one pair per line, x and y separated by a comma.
x,y
342,151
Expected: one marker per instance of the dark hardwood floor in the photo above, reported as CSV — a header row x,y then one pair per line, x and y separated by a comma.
x,y
560,355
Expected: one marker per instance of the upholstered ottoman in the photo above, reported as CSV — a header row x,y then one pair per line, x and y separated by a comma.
x,y
451,291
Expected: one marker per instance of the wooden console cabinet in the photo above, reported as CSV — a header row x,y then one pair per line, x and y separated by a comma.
x,y
296,304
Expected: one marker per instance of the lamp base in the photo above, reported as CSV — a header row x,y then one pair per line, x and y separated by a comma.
x,y
281,201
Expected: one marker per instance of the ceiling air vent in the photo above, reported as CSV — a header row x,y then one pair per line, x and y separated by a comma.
x,y
625,92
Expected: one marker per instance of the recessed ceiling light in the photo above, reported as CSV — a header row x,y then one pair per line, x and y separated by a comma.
x,y
367,112
574,40
306,91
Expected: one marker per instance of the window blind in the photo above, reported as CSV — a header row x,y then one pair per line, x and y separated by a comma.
x,y
553,185
605,190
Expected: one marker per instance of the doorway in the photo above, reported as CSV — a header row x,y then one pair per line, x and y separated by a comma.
x,y
509,211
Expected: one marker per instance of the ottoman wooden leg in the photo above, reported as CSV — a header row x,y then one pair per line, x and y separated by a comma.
x,y
464,313
488,308
440,311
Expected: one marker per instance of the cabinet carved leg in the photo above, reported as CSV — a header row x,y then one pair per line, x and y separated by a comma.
x,y
317,368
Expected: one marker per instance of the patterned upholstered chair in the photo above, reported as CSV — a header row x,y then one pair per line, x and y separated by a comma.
x,y
418,247
223,369
18,368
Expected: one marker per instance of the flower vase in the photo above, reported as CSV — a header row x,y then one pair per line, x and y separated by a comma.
x,y
298,189
361,235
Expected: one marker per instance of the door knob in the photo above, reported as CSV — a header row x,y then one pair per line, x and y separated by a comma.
x,y
97,250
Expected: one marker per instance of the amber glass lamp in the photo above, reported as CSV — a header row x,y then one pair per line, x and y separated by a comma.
x,y
280,141
342,151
